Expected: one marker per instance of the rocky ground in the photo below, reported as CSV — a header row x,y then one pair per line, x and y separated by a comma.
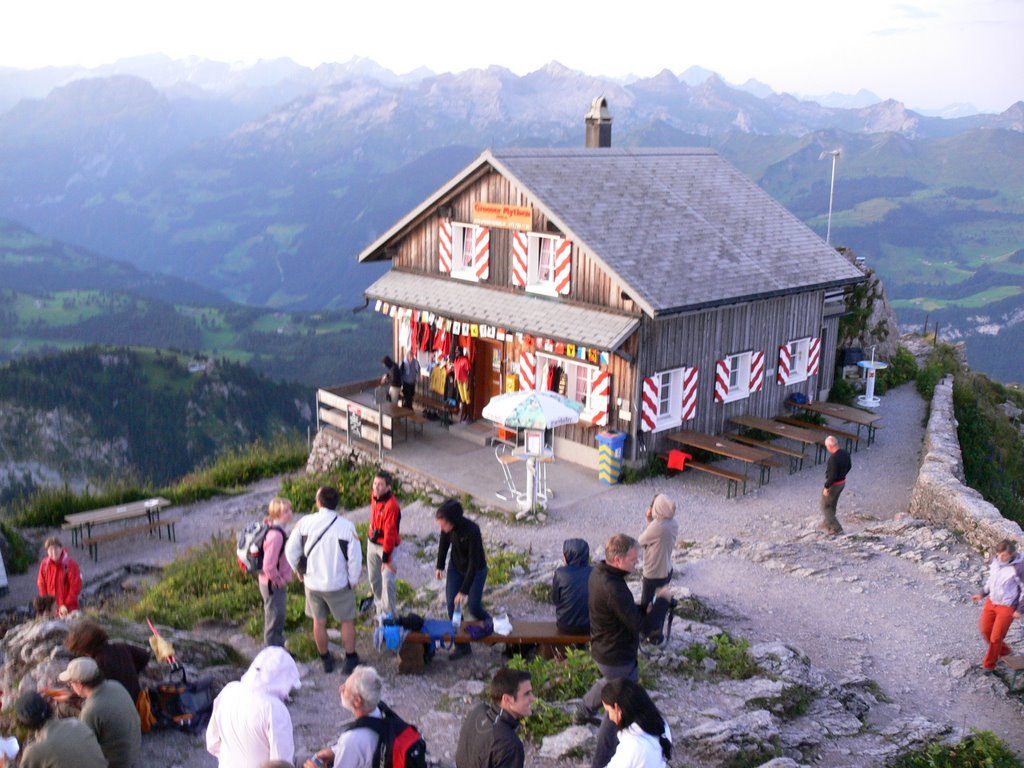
x,y
868,641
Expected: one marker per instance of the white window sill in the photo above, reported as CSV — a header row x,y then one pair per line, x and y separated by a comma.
x,y
469,277
542,290
731,398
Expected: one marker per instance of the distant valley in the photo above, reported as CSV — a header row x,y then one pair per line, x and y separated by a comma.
x,y
259,187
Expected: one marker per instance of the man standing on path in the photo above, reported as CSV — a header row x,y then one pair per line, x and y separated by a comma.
x,y
1002,595
467,567
835,480
616,624
324,551
488,737
108,710
382,545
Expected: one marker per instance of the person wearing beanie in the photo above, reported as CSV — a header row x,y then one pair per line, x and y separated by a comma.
x,y
67,741
658,540
467,567
109,711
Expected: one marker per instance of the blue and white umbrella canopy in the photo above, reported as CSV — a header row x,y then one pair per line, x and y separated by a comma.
x,y
533,409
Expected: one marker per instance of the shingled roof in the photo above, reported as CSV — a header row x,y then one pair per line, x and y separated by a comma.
x,y
682,229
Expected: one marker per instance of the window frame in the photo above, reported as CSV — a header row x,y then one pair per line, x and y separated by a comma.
x,y
670,393
459,233
533,249
544,359
800,349
742,387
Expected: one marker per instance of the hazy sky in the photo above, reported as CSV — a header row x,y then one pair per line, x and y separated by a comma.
x,y
926,53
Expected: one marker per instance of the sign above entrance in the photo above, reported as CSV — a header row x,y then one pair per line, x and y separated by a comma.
x,y
517,217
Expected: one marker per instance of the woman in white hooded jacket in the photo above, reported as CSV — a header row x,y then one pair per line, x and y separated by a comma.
x,y
1003,593
250,724
644,737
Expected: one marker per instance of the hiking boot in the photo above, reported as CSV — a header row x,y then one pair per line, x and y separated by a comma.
x,y
328,661
460,652
351,662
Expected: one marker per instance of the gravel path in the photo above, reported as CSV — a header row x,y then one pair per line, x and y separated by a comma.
x,y
888,601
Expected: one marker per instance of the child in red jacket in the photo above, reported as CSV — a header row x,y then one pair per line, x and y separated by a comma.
x,y
59,576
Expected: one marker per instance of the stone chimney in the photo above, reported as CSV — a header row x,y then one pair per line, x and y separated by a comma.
x,y
599,124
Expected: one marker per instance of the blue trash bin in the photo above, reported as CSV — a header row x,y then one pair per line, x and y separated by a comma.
x,y
609,456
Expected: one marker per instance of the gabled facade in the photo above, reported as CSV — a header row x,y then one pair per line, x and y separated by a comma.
x,y
661,288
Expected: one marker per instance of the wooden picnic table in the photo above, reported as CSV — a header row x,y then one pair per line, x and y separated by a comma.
x,y
728,448
404,415
80,522
843,413
803,436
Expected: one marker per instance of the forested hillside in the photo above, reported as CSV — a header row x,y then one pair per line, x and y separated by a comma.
x,y
96,415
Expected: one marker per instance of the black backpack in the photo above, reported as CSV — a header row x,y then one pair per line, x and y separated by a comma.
x,y
183,705
400,745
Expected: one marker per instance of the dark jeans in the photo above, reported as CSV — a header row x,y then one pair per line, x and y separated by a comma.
x,y
607,732
475,603
408,393
649,587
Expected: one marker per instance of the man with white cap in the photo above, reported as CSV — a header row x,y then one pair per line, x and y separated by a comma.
x,y
108,710
250,724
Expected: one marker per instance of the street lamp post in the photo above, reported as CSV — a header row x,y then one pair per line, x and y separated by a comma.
x,y
831,192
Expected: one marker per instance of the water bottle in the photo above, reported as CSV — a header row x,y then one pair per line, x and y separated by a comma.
x,y
457,619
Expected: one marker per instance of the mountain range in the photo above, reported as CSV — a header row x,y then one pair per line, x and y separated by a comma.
x,y
262,184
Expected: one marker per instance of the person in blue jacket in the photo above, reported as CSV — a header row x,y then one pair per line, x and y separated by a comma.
x,y
569,590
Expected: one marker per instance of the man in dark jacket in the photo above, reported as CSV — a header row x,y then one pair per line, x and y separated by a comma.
x,y
570,591
488,737
467,567
835,480
616,625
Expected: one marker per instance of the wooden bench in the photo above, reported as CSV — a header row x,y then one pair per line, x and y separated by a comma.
x,y
852,438
796,458
414,653
430,401
93,542
734,478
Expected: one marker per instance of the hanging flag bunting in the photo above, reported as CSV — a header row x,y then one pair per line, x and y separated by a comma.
x,y
570,350
604,358
378,305
474,330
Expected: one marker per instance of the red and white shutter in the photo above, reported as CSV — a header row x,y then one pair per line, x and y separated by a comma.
x,y
649,405
520,258
444,247
785,364
756,371
600,396
527,370
813,355
482,252
721,380
689,410
563,267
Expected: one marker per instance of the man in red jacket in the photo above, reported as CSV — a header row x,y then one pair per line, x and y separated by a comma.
x,y
382,545
59,576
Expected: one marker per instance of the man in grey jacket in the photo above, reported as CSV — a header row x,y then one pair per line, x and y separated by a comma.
x,y
324,551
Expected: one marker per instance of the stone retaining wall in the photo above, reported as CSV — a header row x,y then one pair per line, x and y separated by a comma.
x,y
330,450
940,496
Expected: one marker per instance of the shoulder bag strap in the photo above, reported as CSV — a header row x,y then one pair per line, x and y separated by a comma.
x,y
325,530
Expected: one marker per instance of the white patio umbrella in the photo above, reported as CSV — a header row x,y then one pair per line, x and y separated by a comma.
x,y
532,409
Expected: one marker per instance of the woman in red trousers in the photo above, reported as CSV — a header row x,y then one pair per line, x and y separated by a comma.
x,y
1002,595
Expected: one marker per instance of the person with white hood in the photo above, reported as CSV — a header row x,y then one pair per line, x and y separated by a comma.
x,y
1003,593
250,723
644,737
658,540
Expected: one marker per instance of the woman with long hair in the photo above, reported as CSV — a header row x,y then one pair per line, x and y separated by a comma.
x,y
644,737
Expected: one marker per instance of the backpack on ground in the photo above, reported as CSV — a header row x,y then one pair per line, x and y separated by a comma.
x,y
249,548
182,705
400,744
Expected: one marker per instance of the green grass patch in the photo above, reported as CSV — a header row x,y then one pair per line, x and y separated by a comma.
x,y
49,506
731,656
983,749
555,681
354,483
501,564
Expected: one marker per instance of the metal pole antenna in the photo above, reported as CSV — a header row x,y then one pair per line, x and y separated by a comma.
x,y
831,193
